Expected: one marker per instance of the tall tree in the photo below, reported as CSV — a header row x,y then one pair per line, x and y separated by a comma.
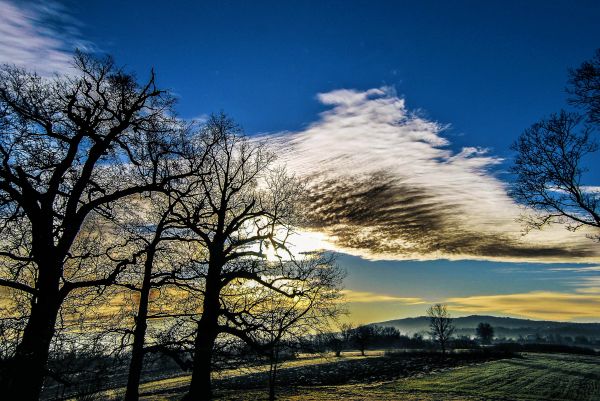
x,y
440,325
551,155
243,211
69,148
165,261
164,266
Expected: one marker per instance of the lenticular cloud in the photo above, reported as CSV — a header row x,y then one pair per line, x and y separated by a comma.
x,y
385,185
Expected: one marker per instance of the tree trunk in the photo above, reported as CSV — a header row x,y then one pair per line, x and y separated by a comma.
x,y
27,370
200,386
273,374
139,334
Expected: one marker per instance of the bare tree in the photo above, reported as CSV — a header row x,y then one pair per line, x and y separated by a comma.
x,y
243,212
276,322
335,342
346,330
549,173
549,167
440,325
164,269
584,86
69,148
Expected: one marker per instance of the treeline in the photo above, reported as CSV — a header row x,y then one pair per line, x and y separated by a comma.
x,y
580,340
367,337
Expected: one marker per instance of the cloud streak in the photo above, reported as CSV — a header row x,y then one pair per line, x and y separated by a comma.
x,y
39,36
371,297
536,305
384,184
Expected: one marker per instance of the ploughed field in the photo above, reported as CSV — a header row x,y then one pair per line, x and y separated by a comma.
x,y
411,377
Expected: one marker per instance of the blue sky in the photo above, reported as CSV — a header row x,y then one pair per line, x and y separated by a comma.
x,y
487,68
483,70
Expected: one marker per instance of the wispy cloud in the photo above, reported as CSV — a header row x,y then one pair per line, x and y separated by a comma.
x,y
38,35
386,185
589,284
536,304
583,269
370,297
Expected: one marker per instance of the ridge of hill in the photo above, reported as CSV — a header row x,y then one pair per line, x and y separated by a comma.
x,y
503,326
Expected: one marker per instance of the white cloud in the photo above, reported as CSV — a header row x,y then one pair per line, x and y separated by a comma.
x,y
386,185
584,269
39,36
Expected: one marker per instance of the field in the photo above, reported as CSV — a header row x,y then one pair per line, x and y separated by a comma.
x,y
530,377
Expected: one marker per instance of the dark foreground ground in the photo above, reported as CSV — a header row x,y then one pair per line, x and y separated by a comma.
x,y
522,377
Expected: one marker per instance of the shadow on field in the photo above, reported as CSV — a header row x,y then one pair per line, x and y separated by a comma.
x,y
340,371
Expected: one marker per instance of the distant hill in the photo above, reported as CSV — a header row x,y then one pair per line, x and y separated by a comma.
x,y
503,326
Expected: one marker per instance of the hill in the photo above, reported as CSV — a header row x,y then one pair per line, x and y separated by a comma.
x,y
503,326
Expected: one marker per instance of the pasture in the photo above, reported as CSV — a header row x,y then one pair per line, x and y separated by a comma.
x,y
528,377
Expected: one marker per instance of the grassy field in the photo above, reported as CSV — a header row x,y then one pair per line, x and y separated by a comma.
x,y
184,380
532,377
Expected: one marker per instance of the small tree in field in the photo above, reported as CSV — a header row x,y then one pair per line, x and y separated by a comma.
x,y
485,333
363,336
440,325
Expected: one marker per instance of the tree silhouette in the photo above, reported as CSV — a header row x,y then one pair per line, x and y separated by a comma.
x,y
549,165
584,86
440,325
362,337
485,332
244,210
164,269
69,148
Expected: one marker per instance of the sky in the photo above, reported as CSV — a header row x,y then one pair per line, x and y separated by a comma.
x,y
400,113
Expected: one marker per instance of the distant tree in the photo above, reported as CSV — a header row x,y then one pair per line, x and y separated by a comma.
x,y
485,333
346,330
440,325
335,343
549,165
362,337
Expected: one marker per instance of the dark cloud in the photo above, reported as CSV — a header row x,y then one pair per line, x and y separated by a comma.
x,y
380,215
